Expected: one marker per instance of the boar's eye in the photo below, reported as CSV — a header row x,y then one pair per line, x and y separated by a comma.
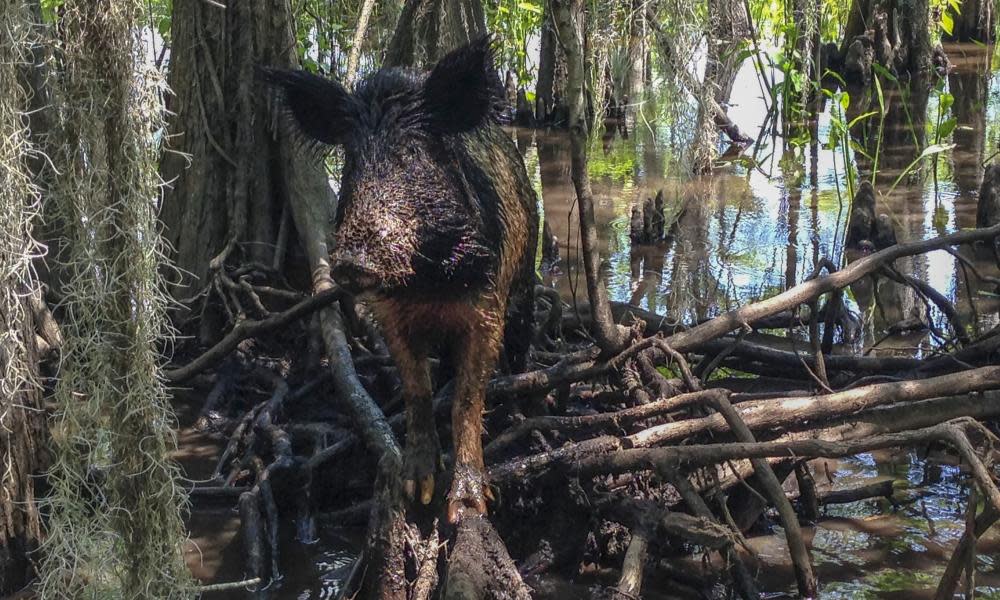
x,y
463,91
323,109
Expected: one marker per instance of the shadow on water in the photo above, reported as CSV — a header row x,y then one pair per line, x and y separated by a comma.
x,y
755,227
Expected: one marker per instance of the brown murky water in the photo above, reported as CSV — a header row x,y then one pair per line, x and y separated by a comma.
x,y
752,229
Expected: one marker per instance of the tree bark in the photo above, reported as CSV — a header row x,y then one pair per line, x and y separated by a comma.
x,y
123,530
550,91
221,163
632,82
728,26
976,23
23,437
359,37
908,29
429,29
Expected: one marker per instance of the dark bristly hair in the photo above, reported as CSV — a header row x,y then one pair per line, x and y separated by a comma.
x,y
462,92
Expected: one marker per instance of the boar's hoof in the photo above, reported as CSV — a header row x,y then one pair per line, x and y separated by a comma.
x,y
421,459
469,490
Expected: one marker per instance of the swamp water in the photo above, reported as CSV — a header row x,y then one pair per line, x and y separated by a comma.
x,y
756,226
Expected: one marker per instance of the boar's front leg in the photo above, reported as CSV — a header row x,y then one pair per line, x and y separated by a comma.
x,y
422,456
475,358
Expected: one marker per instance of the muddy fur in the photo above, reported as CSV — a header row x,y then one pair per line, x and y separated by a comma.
x,y
436,226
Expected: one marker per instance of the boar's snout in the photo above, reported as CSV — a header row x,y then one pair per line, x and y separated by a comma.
x,y
353,274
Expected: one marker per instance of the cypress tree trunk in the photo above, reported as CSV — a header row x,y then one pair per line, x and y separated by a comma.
x,y
635,53
568,15
977,22
22,421
224,204
429,29
550,90
22,437
907,24
728,27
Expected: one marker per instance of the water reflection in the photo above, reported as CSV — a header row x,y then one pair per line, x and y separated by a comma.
x,y
753,229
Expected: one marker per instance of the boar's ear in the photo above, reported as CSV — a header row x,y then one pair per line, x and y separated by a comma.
x,y
323,109
463,90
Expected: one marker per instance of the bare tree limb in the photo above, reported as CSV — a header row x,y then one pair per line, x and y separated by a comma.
x,y
802,293
248,329
610,337
359,37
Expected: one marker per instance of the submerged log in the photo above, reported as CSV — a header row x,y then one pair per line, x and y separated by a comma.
x,y
877,489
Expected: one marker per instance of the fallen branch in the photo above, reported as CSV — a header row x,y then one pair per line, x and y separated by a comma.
x,y
804,292
952,433
772,488
791,412
876,489
370,423
621,420
248,329
880,421
630,582
834,362
742,578
759,414
479,566
958,561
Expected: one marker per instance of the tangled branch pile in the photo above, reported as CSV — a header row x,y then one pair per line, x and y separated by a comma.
x,y
614,460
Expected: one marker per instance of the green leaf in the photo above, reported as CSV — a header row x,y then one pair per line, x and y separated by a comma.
x,y
881,98
928,151
935,149
947,22
946,127
833,140
743,55
855,120
836,76
859,149
50,10
956,5
530,7
845,101
883,72
946,101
